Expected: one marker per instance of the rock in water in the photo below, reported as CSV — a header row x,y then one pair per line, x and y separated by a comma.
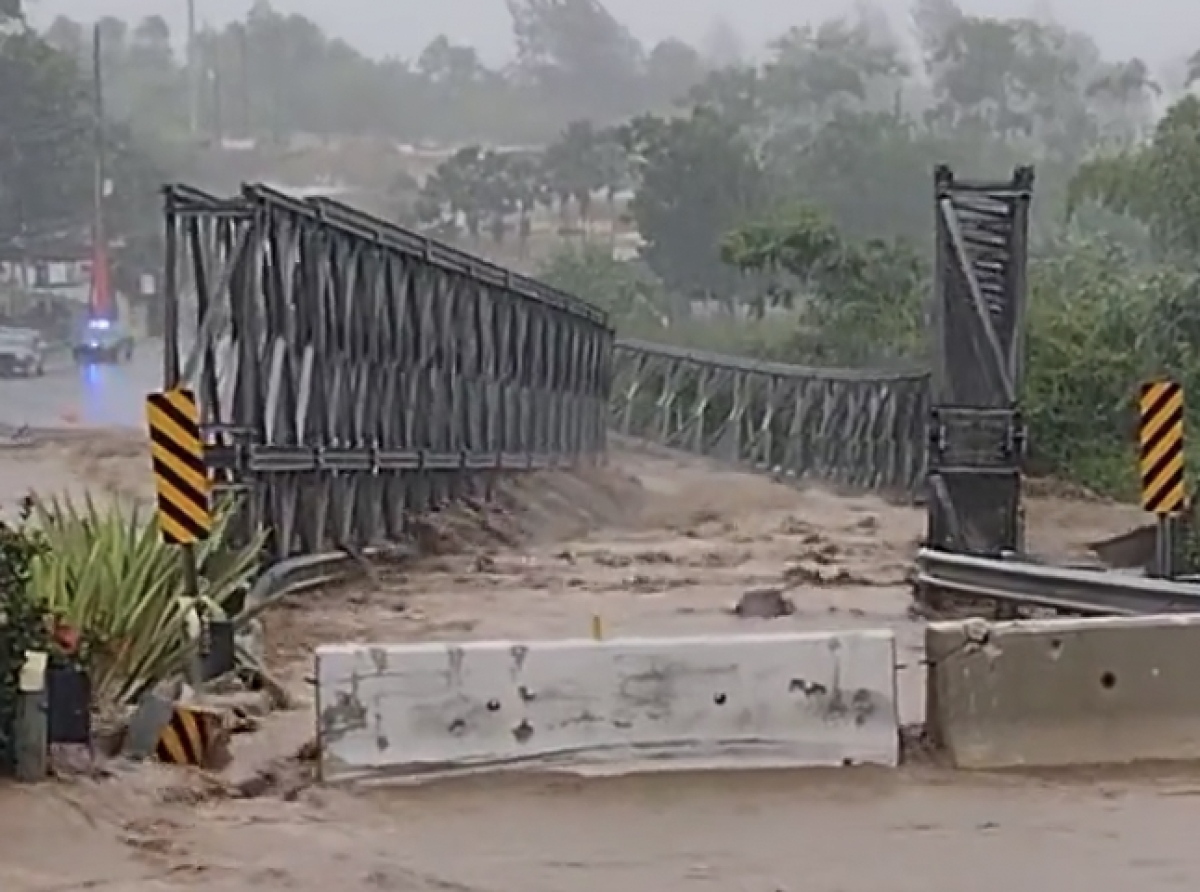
x,y
764,603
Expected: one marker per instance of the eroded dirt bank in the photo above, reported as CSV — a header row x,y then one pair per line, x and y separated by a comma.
x,y
650,544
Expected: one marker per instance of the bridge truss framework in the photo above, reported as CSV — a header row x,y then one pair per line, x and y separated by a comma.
x,y
352,372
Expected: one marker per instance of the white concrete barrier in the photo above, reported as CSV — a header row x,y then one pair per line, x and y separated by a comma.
x,y
411,710
1061,692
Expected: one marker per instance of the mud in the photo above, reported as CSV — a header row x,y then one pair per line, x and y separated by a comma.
x,y
649,544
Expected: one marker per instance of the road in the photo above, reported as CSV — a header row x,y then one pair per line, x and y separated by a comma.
x,y
93,396
89,425
653,545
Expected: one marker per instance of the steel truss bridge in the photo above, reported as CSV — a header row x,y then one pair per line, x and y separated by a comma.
x,y
352,373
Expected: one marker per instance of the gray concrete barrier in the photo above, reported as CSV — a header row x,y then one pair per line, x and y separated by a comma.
x,y
621,705
1058,692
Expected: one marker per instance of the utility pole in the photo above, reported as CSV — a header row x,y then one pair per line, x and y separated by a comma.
x,y
193,70
100,278
244,82
218,109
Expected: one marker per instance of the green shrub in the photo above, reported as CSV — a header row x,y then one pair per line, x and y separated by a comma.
x,y
106,574
1098,328
23,625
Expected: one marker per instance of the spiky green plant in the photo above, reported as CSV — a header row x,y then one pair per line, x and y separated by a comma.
x,y
107,575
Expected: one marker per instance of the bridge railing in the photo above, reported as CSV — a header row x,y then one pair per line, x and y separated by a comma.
x,y
351,372
852,428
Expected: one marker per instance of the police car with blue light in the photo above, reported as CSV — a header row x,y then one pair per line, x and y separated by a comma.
x,y
103,340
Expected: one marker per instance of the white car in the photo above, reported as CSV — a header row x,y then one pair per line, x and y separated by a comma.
x,y
22,352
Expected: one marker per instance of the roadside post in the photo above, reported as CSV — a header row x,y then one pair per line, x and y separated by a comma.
x,y
184,496
1161,466
32,744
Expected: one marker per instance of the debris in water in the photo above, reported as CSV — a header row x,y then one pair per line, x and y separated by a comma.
x,y
764,603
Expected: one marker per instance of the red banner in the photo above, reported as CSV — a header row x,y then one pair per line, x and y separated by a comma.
x,y
101,295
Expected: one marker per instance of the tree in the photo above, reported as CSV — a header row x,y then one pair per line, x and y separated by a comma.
x,y
456,190
839,64
577,54
143,77
45,172
862,300
450,65
496,192
723,46
273,75
672,68
1020,78
1123,93
575,166
614,172
626,292
528,191
868,170
68,37
46,159
1157,185
698,178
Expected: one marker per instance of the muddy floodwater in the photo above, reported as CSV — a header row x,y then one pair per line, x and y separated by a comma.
x,y
651,544
856,831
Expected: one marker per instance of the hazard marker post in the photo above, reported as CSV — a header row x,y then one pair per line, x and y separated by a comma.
x,y
183,490
1161,464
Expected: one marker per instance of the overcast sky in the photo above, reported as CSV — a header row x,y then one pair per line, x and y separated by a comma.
x,y
1153,29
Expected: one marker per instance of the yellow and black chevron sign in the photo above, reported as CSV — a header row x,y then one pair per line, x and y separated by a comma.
x,y
1161,436
180,477
193,736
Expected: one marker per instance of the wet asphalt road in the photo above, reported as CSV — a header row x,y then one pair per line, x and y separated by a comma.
x,y
88,396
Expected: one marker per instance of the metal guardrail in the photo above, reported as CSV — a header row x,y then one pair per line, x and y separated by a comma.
x,y
1083,592
299,574
1013,581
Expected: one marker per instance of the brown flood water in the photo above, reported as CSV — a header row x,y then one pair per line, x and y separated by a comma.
x,y
653,545
858,831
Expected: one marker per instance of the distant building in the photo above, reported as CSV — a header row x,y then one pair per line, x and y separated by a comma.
x,y
57,276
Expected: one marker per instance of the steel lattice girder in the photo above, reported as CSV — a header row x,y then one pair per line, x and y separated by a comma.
x,y
976,432
864,429
351,372
979,288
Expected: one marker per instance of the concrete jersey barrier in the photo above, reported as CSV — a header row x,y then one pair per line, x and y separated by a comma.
x,y
1059,692
622,705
